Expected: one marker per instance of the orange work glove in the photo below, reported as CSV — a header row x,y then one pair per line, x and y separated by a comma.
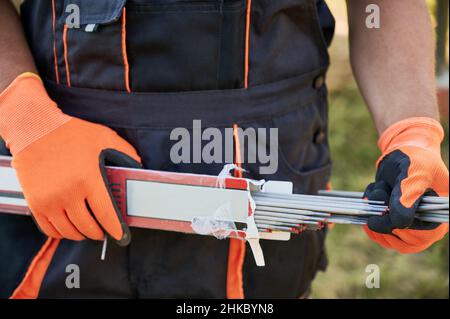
x,y
410,166
60,161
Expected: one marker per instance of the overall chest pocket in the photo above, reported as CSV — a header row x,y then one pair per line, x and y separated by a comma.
x,y
186,45
91,44
155,46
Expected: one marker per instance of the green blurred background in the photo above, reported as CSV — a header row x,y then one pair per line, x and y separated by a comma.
x,y
353,144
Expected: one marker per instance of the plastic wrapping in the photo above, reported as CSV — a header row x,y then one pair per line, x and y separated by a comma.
x,y
219,224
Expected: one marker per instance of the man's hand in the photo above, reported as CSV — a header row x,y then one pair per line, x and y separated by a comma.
x,y
60,161
394,68
410,167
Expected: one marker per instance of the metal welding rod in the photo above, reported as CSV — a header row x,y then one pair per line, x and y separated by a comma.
x,y
288,216
318,197
293,211
295,223
321,200
336,210
434,200
348,194
341,219
431,207
275,223
272,227
361,206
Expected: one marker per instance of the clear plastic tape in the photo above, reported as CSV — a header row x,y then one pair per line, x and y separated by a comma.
x,y
219,224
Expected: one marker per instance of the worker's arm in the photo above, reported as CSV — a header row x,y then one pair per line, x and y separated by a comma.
x,y
15,56
394,65
394,68
59,160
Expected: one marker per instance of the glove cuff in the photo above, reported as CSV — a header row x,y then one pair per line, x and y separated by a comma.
x,y
27,113
423,132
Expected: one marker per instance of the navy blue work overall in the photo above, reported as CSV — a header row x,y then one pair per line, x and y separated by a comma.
x,y
257,64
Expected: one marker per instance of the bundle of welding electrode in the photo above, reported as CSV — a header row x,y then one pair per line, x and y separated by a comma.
x,y
295,213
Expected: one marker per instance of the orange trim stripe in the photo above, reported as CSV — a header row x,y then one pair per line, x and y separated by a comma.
x,y
124,51
31,283
247,42
236,258
237,143
66,59
236,252
54,41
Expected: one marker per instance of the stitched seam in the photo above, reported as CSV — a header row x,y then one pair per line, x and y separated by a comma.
x,y
66,59
124,52
247,40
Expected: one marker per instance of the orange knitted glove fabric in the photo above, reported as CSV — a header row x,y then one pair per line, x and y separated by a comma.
x,y
60,161
410,166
